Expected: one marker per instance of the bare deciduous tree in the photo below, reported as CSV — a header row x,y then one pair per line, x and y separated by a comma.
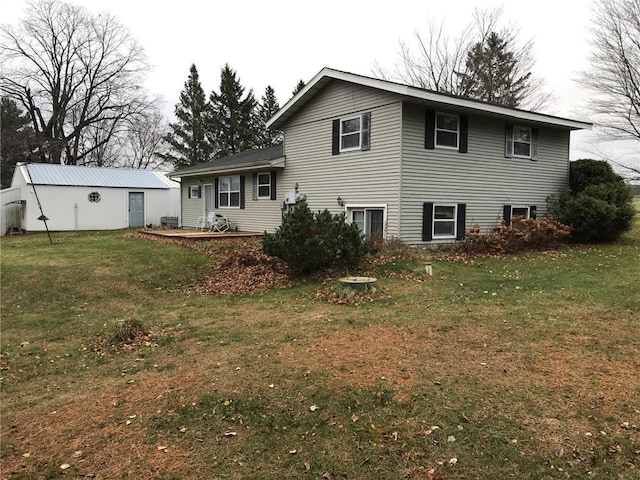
x,y
441,62
145,138
72,71
614,76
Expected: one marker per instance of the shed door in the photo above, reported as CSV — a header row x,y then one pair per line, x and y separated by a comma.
x,y
136,209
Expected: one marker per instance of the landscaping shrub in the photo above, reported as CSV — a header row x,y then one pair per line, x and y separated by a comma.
x,y
598,205
309,242
522,234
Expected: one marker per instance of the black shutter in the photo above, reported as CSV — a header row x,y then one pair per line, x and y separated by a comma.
x,y
464,134
427,222
366,131
534,143
273,185
533,211
216,204
335,138
430,130
506,214
241,191
461,220
254,190
188,191
508,141
199,191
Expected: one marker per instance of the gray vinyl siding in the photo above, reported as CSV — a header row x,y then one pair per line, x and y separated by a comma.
x,y
483,178
358,177
192,208
257,216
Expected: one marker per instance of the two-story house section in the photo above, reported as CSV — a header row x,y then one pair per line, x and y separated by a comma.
x,y
397,160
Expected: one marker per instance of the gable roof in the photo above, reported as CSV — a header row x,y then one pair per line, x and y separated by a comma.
x,y
414,94
81,176
271,157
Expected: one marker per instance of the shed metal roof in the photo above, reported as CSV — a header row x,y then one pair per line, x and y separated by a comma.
x,y
80,176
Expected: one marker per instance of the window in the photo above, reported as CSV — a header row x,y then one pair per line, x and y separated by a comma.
x,y
521,142
522,211
370,221
447,130
264,185
94,197
444,221
194,191
229,192
352,133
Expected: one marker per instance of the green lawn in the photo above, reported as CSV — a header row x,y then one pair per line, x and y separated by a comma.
x,y
518,367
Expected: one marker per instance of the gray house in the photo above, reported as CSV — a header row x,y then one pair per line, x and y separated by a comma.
x,y
397,160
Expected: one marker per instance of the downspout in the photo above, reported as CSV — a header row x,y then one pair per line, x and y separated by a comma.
x,y
42,216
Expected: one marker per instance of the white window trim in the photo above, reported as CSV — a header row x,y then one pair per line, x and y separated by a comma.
x,y
359,146
194,192
454,220
258,185
229,192
526,207
436,130
513,141
367,206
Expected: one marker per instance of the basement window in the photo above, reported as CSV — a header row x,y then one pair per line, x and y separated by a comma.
x,y
94,197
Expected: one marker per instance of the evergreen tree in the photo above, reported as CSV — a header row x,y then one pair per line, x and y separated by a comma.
x,y
232,117
267,109
299,86
493,74
17,139
188,136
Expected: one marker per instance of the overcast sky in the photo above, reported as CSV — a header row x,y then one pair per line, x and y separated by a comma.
x,y
279,42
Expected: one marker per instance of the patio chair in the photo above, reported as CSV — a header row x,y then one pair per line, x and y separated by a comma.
x,y
206,221
220,223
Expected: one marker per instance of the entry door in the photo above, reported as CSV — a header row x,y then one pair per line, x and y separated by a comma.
x,y
208,199
136,209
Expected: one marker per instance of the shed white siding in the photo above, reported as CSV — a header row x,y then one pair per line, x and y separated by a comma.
x,y
483,178
359,177
63,192
11,211
69,208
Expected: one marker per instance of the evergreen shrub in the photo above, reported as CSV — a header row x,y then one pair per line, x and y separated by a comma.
x,y
598,204
308,242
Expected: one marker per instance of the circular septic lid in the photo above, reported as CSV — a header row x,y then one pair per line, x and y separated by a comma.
x,y
357,280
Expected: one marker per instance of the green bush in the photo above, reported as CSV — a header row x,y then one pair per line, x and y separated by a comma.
x,y
309,242
586,172
598,205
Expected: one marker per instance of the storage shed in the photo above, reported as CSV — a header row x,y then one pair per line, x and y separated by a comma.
x,y
92,198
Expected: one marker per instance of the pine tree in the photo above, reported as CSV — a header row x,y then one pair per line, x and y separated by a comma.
x,y
267,109
17,139
493,73
232,117
188,136
299,86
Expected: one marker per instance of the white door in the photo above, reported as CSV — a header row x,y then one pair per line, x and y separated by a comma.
x,y
209,200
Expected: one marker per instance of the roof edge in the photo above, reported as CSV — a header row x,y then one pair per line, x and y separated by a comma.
x,y
275,163
413,92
